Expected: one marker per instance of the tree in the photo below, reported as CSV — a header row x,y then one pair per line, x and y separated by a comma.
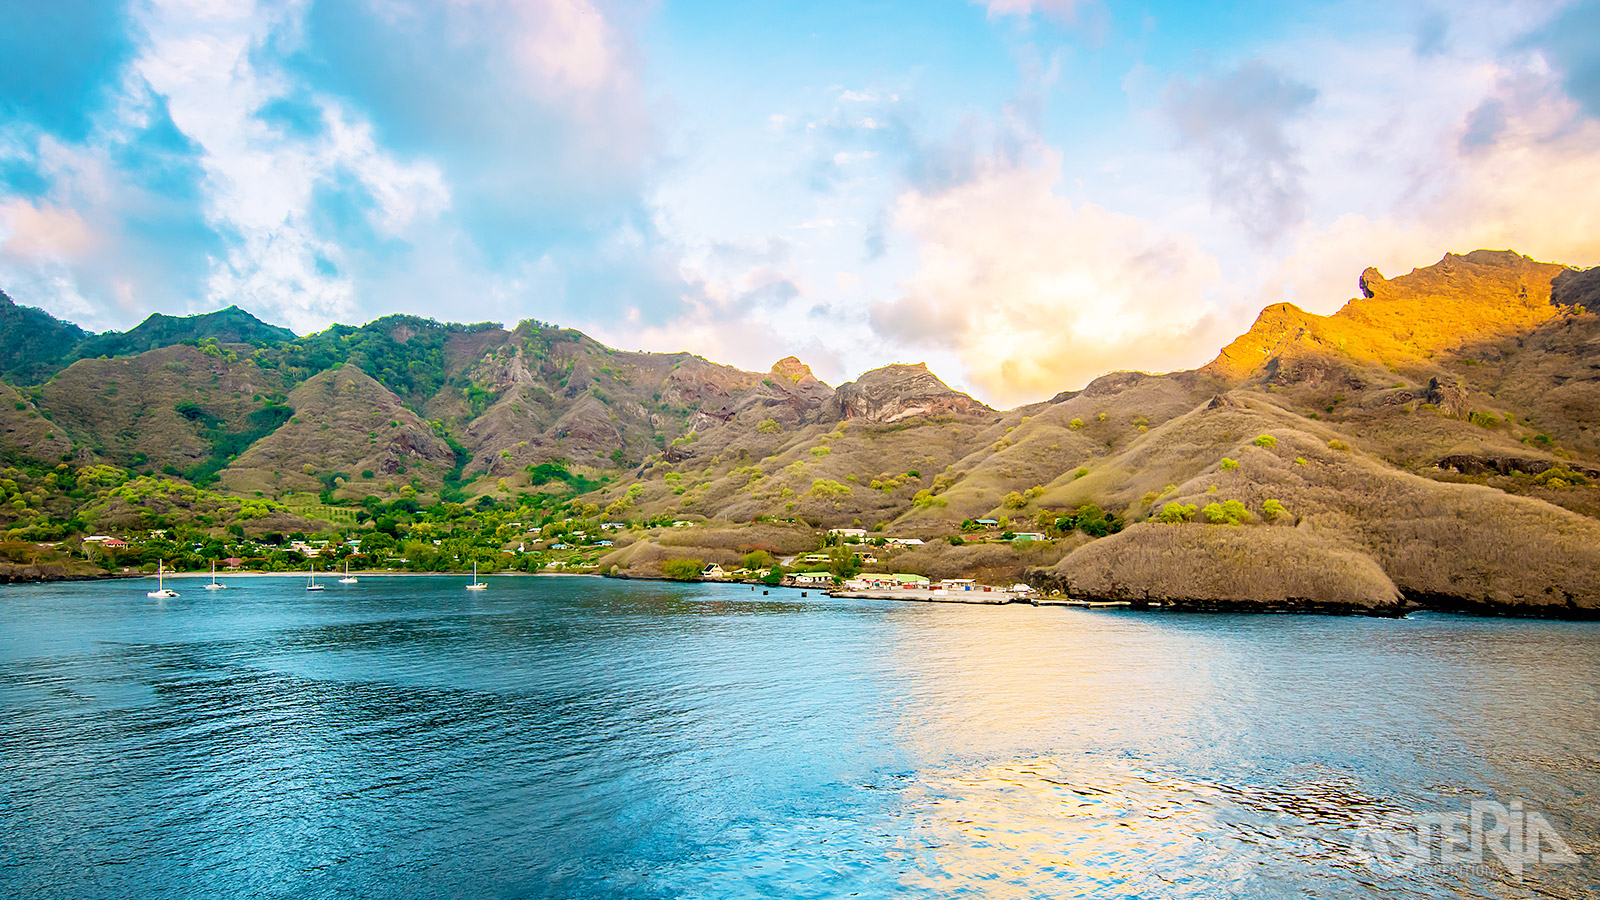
x,y
1093,521
682,569
757,559
843,563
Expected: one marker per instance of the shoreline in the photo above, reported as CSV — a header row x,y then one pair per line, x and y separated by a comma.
x,y
1442,605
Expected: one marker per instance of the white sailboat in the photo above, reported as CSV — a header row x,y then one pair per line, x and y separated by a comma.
x,y
162,591
215,585
348,578
476,585
313,586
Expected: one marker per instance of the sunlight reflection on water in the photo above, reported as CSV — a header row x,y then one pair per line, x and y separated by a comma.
x,y
564,737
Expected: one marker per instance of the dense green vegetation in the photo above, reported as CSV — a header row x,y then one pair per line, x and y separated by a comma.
x,y
33,343
226,444
228,326
406,354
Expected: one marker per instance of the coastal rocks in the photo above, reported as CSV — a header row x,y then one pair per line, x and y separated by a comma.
x,y
12,573
897,392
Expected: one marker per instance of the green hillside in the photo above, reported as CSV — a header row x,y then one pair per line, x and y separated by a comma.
x,y
1434,442
33,343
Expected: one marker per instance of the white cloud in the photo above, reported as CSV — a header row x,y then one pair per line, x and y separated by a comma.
x,y
1064,10
260,183
1473,154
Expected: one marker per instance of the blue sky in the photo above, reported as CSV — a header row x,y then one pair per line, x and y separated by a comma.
x,y
1024,193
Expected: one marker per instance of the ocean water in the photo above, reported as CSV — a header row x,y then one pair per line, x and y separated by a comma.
x,y
579,737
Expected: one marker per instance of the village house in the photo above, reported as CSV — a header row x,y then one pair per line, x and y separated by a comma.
x,y
848,532
877,581
813,578
713,571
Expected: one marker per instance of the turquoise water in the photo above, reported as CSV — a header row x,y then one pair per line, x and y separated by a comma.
x,y
578,737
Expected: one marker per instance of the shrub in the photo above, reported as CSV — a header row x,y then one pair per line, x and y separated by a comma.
x,y
827,487
1266,440
1079,474
682,569
1337,444
821,451
769,426
1173,513
1014,500
1559,476
1300,460
1228,512
1075,424
1228,464
1272,510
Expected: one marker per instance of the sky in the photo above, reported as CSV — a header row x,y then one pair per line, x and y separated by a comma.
x,y
1025,194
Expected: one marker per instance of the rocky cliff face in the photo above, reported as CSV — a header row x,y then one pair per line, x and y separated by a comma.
x,y
898,392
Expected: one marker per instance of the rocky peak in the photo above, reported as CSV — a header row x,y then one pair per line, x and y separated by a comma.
x,y
1577,287
1371,280
791,368
900,391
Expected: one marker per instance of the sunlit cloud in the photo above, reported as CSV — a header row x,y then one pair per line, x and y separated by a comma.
x,y
1036,294
1067,191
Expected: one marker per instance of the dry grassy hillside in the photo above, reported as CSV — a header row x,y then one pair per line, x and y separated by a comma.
x,y
1440,543
168,407
349,433
1438,436
25,432
543,393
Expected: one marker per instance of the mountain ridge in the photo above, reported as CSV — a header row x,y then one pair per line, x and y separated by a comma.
x,y
1482,368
